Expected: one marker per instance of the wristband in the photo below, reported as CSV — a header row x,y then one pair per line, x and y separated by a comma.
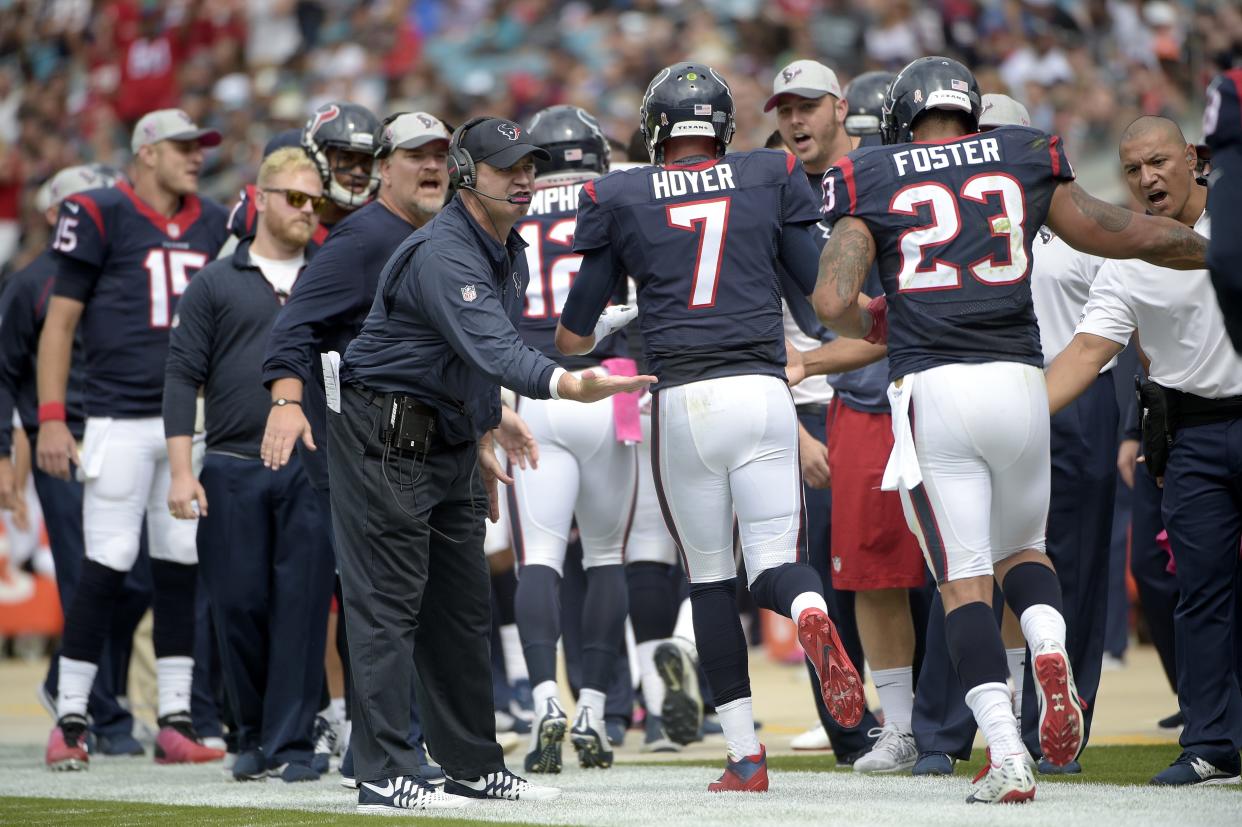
x,y
51,412
878,308
280,403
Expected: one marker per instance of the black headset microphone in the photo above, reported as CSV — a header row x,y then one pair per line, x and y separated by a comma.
x,y
509,198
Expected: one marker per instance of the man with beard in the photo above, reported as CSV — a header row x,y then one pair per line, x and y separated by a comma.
x,y
265,555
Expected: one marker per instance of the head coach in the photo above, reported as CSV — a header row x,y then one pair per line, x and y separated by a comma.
x,y
413,475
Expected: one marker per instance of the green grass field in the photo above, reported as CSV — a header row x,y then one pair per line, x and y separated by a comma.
x,y
668,793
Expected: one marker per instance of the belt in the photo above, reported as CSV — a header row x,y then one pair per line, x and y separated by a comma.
x,y
818,409
1199,410
376,399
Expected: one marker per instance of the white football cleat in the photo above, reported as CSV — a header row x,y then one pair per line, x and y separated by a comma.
x,y
1009,782
894,751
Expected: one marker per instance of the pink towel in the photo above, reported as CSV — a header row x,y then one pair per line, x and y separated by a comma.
x,y
625,405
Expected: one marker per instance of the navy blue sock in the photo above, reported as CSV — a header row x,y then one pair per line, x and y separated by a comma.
x,y
776,588
89,618
537,607
172,604
720,640
603,624
975,645
1032,584
653,600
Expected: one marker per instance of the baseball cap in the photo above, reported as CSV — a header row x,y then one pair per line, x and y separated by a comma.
x,y
806,79
170,125
71,181
410,130
500,142
1002,110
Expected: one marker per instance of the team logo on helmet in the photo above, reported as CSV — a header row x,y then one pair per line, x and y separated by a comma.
x,y
328,113
509,130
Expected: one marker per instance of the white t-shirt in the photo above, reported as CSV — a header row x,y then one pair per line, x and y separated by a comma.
x,y
814,390
1060,284
1177,318
280,273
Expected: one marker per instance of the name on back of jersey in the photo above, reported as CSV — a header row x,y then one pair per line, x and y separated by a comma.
x,y
671,183
933,157
548,200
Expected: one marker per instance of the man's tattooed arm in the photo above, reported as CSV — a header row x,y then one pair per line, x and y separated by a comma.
x,y
1102,229
843,267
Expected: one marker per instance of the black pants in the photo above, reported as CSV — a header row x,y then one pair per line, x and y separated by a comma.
x,y
409,544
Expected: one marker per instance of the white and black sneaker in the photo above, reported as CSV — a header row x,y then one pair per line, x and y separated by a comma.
x,y
894,751
547,739
501,785
590,740
403,793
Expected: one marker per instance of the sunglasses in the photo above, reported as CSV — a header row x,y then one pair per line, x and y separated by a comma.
x,y
297,199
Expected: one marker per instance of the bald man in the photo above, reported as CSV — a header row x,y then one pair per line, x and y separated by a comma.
x,y
1193,438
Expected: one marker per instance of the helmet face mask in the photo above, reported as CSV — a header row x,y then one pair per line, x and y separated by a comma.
x,y
928,83
573,138
344,127
684,100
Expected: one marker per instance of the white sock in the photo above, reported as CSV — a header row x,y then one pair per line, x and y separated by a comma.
x,y
896,689
336,710
737,719
1017,673
1041,624
541,693
593,700
993,709
511,647
174,676
683,631
74,688
804,601
653,687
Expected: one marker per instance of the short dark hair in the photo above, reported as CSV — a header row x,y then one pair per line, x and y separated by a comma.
x,y
774,141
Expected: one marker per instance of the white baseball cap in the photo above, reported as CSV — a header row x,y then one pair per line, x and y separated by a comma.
x,y
806,79
410,130
170,125
70,181
1002,110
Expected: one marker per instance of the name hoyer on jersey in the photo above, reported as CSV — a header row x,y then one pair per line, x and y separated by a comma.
x,y
928,158
669,183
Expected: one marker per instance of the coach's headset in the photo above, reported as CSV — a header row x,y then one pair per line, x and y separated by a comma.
x,y
461,169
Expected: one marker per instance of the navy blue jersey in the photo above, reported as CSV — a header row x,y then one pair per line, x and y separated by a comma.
x,y
548,231
23,306
1222,117
1222,130
128,264
702,243
953,223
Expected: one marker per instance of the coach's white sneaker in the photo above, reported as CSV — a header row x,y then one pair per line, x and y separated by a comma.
x,y
815,738
1009,782
404,793
502,785
894,751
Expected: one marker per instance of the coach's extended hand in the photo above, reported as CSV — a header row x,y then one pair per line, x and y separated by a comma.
x,y
592,388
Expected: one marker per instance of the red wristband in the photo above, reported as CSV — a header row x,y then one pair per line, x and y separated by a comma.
x,y
878,307
51,412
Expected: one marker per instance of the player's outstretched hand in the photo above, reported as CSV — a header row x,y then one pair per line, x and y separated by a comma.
x,y
517,440
592,388
58,450
286,424
795,369
186,498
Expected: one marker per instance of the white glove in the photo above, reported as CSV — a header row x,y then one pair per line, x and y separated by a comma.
x,y
613,319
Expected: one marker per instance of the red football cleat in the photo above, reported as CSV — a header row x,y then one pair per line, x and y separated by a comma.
x,y
749,775
177,743
1060,708
839,683
66,746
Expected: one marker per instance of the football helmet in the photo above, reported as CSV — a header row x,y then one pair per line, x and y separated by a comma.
x,y
572,136
865,95
686,99
348,127
928,83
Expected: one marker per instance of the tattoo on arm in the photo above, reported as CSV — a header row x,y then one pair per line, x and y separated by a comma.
x,y
1178,246
847,257
1106,216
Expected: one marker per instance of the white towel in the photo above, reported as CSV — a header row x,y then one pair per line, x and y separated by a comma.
x,y
902,471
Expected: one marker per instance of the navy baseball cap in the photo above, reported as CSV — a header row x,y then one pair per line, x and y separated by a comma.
x,y
501,143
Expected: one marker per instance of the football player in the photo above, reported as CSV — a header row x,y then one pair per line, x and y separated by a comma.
x,y
586,463
341,138
703,235
124,256
947,219
1222,131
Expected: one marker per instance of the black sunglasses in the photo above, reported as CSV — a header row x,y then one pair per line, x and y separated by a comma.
x,y
297,199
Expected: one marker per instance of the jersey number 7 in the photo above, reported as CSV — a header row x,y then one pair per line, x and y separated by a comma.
x,y
946,223
711,220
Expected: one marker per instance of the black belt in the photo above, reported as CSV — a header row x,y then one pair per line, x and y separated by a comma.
x,y
1199,410
376,399
818,409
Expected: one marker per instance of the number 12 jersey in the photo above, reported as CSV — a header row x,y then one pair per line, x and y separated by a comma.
x,y
953,223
